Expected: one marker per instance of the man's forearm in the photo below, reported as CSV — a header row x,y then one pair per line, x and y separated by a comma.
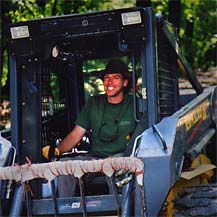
x,y
71,140
66,145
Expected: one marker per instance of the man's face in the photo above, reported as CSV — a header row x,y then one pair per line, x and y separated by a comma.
x,y
114,84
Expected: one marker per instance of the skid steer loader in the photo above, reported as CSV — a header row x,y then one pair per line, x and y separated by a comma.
x,y
54,66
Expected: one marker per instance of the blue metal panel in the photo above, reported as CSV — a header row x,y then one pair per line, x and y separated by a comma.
x,y
103,203
151,67
30,114
157,163
14,104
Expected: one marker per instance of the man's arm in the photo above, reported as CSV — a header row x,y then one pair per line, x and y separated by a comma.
x,y
72,139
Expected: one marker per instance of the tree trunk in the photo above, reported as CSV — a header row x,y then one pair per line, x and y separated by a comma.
x,y
54,8
143,3
188,41
76,5
4,22
175,13
41,4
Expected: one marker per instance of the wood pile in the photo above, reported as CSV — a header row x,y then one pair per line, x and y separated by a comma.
x,y
208,78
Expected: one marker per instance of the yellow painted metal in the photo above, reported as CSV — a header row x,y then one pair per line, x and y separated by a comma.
x,y
202,159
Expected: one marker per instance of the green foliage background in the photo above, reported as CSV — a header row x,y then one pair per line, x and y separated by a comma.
x,y
201,15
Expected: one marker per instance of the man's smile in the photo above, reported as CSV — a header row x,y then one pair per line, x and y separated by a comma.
x,y
110,88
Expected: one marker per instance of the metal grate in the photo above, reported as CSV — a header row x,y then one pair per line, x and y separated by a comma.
x,y
167,77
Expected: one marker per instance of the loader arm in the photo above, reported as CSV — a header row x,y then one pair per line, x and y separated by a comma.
x,y
184,129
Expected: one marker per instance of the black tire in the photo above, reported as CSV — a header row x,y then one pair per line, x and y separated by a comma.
x,y
197,201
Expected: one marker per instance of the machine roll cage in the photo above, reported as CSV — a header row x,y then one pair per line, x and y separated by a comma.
x,y
64,43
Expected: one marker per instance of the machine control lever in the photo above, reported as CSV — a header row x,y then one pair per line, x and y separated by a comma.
x,y
155,130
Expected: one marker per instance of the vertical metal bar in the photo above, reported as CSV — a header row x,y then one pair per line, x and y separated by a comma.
x,y
17,203
117,202
151,67
140,205
134,89
81,186
28,204
126,200
54,198
14,102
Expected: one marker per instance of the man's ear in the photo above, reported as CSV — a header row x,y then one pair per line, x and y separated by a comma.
x,y
125,82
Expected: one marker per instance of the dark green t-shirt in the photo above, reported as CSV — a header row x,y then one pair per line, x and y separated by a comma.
x,y
111,124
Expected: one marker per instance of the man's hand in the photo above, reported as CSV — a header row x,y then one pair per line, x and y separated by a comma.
x,y
46,154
